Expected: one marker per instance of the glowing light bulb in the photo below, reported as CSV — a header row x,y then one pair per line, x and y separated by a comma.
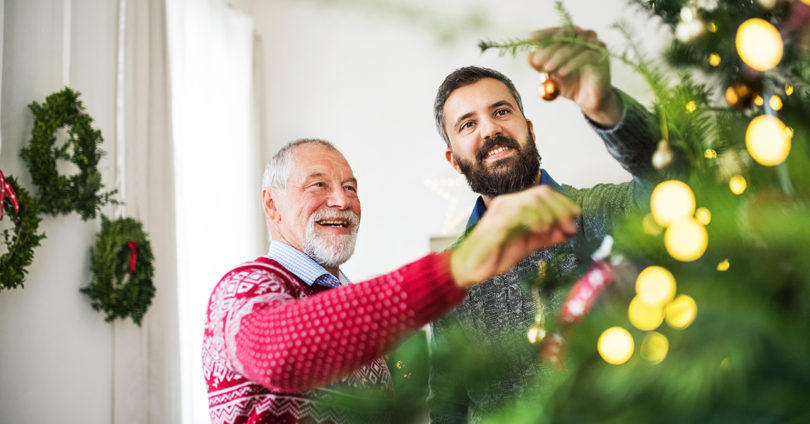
x,y
703,216
767,140
758,100
714,59
681,312
723,266
672,200
655,285
686,240
775,103
615,345
654,347
759,44
737,184
644,316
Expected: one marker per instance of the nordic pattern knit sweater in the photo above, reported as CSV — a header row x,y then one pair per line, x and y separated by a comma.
x,y
273,344
497,313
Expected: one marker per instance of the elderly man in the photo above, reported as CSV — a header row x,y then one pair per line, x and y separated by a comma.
x,y
286,329
479,114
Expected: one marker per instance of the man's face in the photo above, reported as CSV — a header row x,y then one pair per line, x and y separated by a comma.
x,y
319,213
491,142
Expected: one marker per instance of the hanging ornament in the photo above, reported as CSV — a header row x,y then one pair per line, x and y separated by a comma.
x,y
663,156
759,44
767,140
547,90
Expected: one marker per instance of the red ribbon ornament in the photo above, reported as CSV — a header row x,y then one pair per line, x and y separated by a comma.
x,y
576,306
133,254
7,191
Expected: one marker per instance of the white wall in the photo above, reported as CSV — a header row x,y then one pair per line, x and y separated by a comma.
x,y
55,351
359,74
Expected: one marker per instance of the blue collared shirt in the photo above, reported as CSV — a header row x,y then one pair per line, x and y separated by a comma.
x,y
302,265
480,208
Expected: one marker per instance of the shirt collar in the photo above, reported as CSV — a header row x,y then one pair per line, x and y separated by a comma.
x,y
479,209
302,265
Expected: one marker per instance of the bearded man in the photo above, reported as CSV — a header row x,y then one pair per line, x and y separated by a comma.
x,y
479,114
286,330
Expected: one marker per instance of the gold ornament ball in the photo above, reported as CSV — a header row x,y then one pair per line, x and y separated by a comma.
x,y
686,240
681,312
548,90
615,345
767,140
759,44
670,201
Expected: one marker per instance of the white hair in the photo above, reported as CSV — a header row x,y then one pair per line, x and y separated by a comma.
x,y
279,167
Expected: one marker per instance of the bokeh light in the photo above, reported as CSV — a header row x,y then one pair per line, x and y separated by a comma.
x,y
615,345
686,240
759,44
670,201
724,265
655,285
681,312
703,216
767,140
644,316
654,347
737,184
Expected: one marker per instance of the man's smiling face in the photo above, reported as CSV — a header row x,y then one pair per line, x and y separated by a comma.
x,y
491,142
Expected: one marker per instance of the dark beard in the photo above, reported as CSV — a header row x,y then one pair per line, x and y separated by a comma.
x,y
508,175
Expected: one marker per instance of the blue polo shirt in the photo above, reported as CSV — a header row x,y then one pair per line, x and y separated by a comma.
x,y
302,265
480,208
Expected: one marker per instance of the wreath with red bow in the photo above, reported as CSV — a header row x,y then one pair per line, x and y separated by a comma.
x,y
121,263
23,211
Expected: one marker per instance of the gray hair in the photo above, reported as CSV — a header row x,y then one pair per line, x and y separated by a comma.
x,y
463,77
279,167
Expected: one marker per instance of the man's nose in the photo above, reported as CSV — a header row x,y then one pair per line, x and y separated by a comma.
x,y
488,128
338,198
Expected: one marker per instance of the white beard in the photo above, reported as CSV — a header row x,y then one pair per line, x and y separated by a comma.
x,y
330,251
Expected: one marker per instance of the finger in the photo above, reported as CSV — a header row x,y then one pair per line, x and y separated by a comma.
x,y
561,56
542,34
585,57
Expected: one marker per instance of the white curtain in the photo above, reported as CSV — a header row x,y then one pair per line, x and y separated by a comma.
x,y
217,181
146,363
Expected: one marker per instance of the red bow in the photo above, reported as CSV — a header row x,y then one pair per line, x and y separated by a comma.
x,y
133,254
7,191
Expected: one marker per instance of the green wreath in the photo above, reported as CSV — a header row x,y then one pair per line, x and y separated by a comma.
x,y
20,242
59,193
121,264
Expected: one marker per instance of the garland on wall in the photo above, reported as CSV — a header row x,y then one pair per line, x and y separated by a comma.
x,y
60,194
23,211
121,260
121,263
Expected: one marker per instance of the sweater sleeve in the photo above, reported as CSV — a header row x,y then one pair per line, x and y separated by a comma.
x,y
293,345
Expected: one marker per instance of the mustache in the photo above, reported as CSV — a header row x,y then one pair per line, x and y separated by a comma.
x,y
498,140
347,215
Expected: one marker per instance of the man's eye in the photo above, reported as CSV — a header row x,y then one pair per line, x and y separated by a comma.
x,y
319,185
501,112
351,188
466,125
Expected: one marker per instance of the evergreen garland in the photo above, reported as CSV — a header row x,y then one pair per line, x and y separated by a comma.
x,y
59,193
20,242
115,290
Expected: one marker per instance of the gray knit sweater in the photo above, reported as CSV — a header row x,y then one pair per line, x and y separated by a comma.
x,y
497,313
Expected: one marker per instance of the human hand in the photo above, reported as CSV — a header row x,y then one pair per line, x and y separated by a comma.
x,y
581,73
514,226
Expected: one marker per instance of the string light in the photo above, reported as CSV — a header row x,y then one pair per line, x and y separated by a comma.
x,y
737,184
654,347
671,200
615,345
775,103
723,266
788,89
655,285
691,106
767,140
758,100
686,240
759,44
710,154
714,59
681,312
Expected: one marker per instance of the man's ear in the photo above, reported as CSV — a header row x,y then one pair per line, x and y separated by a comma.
x,y
531,128
270,209
448,154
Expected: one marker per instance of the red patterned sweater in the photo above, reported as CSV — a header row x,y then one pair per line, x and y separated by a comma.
x,y
272,342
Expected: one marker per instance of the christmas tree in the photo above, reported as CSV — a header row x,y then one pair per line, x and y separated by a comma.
x,y
706,313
